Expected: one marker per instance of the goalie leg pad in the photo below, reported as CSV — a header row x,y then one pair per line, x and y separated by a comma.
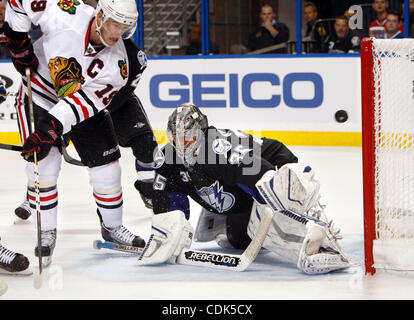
x,y
292,187
284,237
323,262
171,233
209,226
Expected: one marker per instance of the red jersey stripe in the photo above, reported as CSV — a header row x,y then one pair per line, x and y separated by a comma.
x,y
107,199
51,197
79,103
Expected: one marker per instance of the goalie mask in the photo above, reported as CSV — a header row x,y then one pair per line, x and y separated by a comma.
x,y
116,15
186,126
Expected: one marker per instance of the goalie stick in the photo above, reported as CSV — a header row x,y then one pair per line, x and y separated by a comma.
x,y
66,155
230,261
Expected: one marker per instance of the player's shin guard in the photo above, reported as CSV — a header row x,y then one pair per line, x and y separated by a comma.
x,y
109,207
49,169
106,183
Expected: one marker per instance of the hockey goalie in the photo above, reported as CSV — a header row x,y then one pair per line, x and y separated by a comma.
x,y
237,179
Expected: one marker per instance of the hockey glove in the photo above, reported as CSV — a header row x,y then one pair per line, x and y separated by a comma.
x,y
21,50
40,141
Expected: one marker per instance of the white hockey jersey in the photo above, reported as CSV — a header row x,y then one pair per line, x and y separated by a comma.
x,y
66,26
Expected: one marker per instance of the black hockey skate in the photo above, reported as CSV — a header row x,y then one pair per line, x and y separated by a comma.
x,y
48,243
23,211
122,235
13,263
119,239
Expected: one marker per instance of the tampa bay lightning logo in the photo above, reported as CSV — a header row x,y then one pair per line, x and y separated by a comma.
x,y
216,197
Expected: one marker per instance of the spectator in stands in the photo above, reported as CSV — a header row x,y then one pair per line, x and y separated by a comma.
x,y
343,40
4,52
315,32
411,29
377,28
194,39
393,26
269,33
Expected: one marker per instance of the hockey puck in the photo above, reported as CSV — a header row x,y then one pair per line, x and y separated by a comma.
x,y
341,116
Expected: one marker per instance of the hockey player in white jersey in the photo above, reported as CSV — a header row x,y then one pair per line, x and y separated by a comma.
x,y
78,66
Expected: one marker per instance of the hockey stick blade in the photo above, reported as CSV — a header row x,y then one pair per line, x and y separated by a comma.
x,y
229,261
98,244
11,147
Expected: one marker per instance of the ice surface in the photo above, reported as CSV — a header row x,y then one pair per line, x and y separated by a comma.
x,y
81,272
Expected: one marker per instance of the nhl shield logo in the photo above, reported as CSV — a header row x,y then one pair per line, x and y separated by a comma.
x,y
68,6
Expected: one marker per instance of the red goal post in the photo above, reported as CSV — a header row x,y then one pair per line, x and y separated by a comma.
x,y
387,89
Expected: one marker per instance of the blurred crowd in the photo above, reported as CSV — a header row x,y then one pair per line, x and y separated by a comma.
x,y
329,26
343,33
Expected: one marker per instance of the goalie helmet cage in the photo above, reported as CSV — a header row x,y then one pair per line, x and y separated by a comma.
x,y
387,71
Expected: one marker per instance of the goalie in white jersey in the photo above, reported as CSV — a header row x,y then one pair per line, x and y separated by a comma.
x,y
78,66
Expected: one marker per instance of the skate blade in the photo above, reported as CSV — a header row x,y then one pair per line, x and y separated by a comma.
x,y
21,221
46,262
27,272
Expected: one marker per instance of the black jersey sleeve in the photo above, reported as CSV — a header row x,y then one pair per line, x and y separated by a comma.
x,y
169,188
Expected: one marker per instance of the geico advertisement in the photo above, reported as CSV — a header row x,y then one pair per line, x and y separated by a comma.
x,y
260,94
11,79
281,94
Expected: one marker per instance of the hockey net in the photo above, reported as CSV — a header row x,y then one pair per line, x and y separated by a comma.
x,y
388,153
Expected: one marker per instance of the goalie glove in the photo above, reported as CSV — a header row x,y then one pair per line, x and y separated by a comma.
x,y
170,234
41,141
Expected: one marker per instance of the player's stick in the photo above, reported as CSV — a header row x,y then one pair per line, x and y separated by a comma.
x,y
37,278
66,155
229,261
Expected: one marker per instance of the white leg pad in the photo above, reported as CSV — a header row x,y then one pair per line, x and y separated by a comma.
x,y
171,233
284,237
209,226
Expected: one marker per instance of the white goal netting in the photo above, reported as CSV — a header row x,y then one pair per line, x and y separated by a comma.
x,y
393,72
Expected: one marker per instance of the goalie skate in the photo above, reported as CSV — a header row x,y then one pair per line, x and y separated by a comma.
x,y
12,263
